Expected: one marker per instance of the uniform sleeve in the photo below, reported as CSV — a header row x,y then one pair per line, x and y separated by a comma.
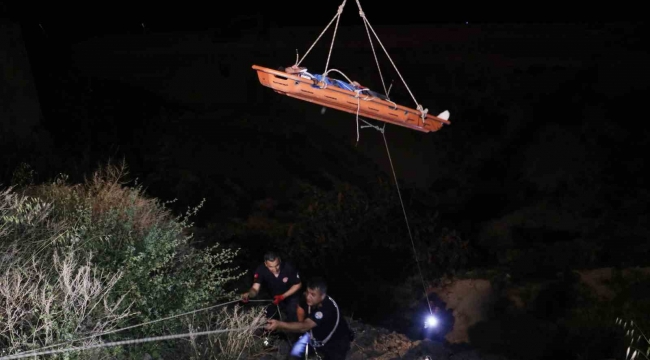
x,y
294,276
257,276
317,316
317,319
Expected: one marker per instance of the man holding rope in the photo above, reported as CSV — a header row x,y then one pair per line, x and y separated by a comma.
x,y
282,281
325,328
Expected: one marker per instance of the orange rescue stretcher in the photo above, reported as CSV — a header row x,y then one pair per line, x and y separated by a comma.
x,y
351,98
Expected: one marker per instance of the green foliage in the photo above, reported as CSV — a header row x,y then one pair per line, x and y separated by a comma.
x,y
334,225
158,271
368,224
23,175
54,295
163,274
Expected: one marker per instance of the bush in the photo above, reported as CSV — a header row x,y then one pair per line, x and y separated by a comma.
x,y
227,345
156,272
48,298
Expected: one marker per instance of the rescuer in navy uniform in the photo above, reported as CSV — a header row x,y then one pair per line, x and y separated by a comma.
x,y
325,328
283,282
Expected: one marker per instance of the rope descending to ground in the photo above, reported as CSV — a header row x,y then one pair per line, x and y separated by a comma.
x,y
126,342
382,131
367,23
37,351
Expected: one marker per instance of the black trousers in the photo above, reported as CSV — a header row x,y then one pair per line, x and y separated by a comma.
x,y
288,306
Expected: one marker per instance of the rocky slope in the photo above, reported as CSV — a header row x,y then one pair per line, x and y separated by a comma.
x,y
379,343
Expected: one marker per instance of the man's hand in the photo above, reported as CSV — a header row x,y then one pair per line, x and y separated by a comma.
x,y
271,325
277,299
244,297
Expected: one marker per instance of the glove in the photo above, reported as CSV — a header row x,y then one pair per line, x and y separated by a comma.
x,y
277,299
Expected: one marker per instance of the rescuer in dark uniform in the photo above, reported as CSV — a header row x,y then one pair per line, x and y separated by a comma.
x,y
326,329
282,281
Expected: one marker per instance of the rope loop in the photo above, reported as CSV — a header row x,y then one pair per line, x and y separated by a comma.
x,y
423,112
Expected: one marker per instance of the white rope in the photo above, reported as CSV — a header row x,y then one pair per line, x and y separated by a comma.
x,y
127,342
372,46
336,17
407,224
382,131
138,325
336,27
358,108
358,95
365,20
394,103
338,71
369,125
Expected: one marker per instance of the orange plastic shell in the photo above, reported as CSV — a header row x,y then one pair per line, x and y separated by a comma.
x,y
345,100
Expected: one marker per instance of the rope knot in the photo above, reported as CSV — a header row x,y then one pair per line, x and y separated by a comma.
x,y
423,111
362,14
341,9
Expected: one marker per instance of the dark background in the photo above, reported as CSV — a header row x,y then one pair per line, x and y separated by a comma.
x,y
542,169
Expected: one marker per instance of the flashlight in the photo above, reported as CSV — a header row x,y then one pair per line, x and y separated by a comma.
x,y
430,322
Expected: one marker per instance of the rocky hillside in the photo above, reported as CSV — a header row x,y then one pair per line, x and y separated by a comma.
x,y
498,319
381,344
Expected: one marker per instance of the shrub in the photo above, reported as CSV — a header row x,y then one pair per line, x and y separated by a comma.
x,y
157,271
47,299
227,345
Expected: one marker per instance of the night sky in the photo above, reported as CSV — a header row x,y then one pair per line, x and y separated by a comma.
x,y
547,145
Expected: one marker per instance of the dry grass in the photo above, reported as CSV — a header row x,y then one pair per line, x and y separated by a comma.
x,y
107,191
48,294
228,345
43,305
52,290
104,192
639,342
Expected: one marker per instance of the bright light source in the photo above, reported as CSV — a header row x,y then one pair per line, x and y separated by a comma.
x,y
431,321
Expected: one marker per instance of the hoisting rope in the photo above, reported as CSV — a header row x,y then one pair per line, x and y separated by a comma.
x,y
336,27
40,350
357,92
382,130
423,111
372,46
336,17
